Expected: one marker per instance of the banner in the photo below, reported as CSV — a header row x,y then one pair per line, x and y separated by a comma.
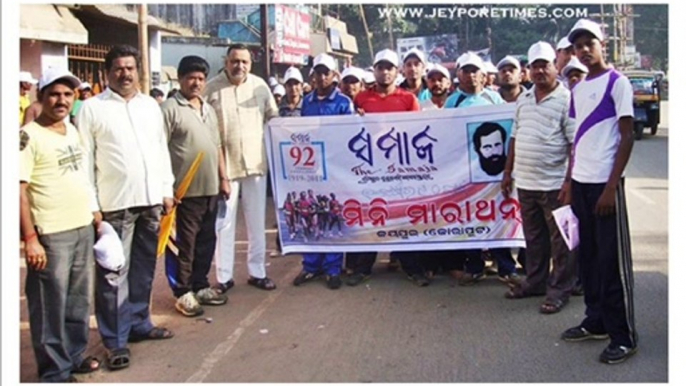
x,y
415,181
292,43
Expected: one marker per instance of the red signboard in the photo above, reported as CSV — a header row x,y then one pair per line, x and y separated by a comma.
x,y
292,43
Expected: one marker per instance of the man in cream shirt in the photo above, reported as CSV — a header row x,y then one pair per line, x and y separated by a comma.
x,y
123,137
243,103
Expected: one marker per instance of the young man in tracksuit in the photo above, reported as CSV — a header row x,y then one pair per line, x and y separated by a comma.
x,y
602,106
326,99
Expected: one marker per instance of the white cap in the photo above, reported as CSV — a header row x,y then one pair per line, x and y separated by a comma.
x,y
26,76
354,72
438,68
279,90
585,25
490,67
508,61
459,60
292,73
386,56
326,61
541,51
272,82
85,85
471,59
415,52
574,64
368,77
53,74
563,44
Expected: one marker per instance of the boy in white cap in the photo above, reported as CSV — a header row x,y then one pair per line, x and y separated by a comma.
x,y
351,82
509,79
564,52
602,105
26,81
574,72
279,92
414,65
538,151
491,75
290,105
56,225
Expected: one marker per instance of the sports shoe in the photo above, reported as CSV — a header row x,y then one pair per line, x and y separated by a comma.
x,y
356,278
578,334
211,297
303,277
188,305
616,354
419,279
334,281
471,278
223,287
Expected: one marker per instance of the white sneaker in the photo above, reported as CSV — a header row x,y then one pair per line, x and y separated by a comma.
x,y
188,305
211,297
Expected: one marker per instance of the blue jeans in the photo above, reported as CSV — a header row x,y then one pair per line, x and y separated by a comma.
x,y
59,302
328,263
122,299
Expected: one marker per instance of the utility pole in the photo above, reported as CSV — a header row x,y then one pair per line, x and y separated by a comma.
x,y
390,28
369,36
143,48
264,21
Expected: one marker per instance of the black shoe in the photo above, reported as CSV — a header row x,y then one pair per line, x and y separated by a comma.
x,y
616,354
578,334
578,290
303,277
356,279
419,279
223,287
334,281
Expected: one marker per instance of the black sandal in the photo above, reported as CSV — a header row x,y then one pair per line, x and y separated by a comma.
x,y
156,333
552,306
87,366
264,283
118,359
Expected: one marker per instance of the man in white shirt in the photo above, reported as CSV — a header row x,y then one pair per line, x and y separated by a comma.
x,y
122,132
602,105
243,103
537,157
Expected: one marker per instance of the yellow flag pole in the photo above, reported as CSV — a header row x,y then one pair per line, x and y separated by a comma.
x,y
168,221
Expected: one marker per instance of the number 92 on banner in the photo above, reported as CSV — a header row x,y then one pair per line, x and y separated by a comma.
x,y
304,162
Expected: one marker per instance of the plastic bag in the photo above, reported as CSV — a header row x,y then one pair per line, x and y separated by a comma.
x,y
568,225
109,251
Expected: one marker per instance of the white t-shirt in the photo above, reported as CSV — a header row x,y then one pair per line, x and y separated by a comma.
x,y
597,104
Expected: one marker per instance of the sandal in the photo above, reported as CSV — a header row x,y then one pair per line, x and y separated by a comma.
x,y
156,333
264,283
118,359
517,293
88,365
552,306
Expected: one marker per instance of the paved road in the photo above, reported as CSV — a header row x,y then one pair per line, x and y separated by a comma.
x,y
392,331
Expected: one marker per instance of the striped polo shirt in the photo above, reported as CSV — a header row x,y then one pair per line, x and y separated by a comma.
x,y
543,133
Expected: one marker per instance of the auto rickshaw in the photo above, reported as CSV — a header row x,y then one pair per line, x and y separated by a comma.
x,y
646,86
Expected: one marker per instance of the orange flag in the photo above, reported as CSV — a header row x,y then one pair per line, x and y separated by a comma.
x,y
169,220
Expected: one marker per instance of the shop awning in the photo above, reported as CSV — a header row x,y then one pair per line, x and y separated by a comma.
x,y
54,23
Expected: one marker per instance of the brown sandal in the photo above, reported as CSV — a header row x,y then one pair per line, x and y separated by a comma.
x,y
552,306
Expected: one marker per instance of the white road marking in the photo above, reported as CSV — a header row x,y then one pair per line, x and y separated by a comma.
x,y
642,196
225,347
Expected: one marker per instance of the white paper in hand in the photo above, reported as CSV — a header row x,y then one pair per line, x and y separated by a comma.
x,y
109,251
568,225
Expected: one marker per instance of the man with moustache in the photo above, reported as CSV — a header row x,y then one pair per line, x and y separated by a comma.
x,y
537,162
525,74
438,81
122,131
509,76
414,65
191,126
243,103
602,105
56,225
489,141
383,97
325,100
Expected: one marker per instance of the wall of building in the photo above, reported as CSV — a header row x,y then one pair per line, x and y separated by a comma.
x,y
172,53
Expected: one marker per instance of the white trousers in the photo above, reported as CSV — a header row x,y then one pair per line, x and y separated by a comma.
x,y
253,192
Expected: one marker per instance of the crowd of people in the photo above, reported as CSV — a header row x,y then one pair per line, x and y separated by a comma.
x,y
117,159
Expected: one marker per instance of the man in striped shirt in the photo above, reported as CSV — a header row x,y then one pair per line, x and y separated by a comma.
x,y
539,150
